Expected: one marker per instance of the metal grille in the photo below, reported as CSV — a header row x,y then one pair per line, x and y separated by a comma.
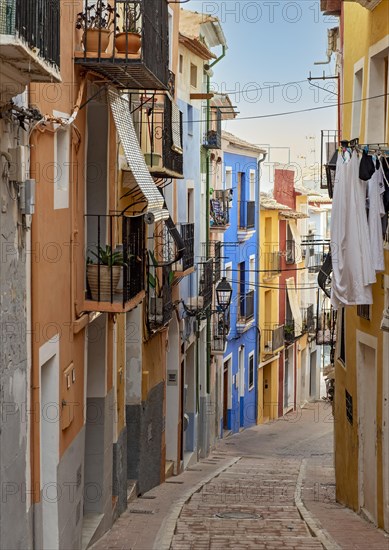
x,y
187,233
37,22
205,270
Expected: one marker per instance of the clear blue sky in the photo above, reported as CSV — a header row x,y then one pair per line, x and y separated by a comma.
x,y
268,42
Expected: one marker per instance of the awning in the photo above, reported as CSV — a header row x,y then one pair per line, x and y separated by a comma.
x,y
294,306
140,175
293,215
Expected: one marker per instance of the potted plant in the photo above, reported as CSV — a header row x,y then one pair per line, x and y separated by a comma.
x,y
109,264
129,39
96,21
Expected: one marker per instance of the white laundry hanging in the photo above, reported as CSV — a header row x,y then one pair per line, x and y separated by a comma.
x,y
376,189
353,271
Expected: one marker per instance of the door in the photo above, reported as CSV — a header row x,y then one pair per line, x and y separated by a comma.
x,y
225,396
267,403
367,430
312,375
260,396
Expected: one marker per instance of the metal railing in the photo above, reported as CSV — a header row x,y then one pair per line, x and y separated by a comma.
x,y
205,278
215,252
308,318
160,308
246,306
213,137
328,146
289,331
326,326
187,233
161,143
147,19
290,252
36,22
272,264
272,338
116,264
246,218
219,209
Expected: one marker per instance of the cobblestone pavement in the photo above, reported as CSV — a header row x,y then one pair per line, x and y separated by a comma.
x,y
269,487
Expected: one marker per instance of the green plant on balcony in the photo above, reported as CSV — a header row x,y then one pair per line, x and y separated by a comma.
x,y
105,273
96,22
289,332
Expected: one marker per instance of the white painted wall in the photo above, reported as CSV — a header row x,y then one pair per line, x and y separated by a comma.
x,y
49,440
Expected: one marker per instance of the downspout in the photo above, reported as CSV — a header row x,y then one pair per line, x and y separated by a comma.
x,y
207,230
258,248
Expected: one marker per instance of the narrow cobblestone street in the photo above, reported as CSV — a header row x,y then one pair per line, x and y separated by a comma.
x,y
269,487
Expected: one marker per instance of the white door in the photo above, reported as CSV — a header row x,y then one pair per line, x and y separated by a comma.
x,y
367,430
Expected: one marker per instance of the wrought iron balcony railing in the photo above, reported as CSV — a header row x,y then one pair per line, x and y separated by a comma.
x,y
219,209
158,124
133,52
116,264
289,331
205,278
326,326
187,234
308,318
160,303
214,252
246,306
213,137
272,264
29,43
328,148
246,215
272,339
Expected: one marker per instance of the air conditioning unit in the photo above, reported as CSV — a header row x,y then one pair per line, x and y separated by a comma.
x,y
311,228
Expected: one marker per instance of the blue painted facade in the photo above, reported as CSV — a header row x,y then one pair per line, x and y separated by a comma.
x,y
240,245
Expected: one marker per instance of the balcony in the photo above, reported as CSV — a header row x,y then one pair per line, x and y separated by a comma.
x,y
314,252
158,125
160,303
136,56
214,252
326,326
273,339
219,210
272,264
290,252
29,44
246,307
115,275
219,332
187,261
308,318
328,154
289,331
213,137
246,215
205,278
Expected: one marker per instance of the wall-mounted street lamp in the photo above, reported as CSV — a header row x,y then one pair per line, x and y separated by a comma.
x,y
223,294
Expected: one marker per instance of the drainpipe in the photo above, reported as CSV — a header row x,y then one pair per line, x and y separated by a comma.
x,y
207,187
258,248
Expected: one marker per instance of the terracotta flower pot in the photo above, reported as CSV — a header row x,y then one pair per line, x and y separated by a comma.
x,y
91,40
105,280
127,42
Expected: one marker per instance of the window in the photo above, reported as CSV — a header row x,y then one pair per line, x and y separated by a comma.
x,y
61,168
357,105
377,110
252,185
364,311
190,120
170,27
193,75
180,63
228,178
252,272
251,371
290,251
190,206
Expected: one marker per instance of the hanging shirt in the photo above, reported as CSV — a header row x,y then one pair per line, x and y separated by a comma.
x,y
353,271
376,189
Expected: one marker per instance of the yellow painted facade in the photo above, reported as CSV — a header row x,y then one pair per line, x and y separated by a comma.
x,y
361,445
268,316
